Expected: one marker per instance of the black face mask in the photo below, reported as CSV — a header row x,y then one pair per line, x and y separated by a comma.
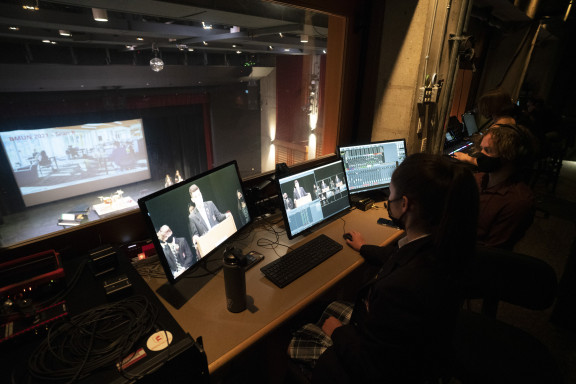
x,y
488,164
397,221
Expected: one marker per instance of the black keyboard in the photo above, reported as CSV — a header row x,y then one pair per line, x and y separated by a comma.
x,y
297,262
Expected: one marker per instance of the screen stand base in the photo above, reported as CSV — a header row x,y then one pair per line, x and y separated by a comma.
x,y
183,290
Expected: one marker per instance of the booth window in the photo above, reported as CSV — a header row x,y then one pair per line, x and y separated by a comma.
x,y
88,128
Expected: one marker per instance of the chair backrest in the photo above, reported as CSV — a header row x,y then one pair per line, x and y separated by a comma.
x,y
499,275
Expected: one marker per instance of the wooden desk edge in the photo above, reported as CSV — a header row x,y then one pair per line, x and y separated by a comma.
x,y
225,358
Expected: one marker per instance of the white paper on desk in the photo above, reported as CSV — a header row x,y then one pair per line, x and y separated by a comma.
x,y
68,216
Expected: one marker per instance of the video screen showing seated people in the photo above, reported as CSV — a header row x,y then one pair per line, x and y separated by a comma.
x,y
55,163
313,195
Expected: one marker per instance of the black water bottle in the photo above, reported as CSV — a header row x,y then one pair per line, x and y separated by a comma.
x,y
234,280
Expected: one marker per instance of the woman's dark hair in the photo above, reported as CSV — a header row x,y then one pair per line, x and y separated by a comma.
x,y
446,195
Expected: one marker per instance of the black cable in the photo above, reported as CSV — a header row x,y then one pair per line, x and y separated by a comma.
x,y
94,339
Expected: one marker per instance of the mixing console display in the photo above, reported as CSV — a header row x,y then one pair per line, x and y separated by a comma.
x,y
370,166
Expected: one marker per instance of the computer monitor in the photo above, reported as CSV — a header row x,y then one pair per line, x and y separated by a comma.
x,y
188,220
312,196
470,126
370,166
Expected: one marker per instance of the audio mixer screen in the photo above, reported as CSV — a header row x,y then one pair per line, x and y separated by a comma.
x,y
370,166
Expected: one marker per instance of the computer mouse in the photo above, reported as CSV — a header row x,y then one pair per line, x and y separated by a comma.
x,y
347,236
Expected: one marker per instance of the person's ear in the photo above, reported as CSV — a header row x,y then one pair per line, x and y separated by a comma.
x,y
406,203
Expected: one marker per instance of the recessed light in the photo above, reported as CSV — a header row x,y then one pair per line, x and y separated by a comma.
x,y
14,28
100,14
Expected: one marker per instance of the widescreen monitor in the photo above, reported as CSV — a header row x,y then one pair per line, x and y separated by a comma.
x,y
370,166
189,220
56,163
311,196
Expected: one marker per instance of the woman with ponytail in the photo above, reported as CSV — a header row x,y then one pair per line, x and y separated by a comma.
x,y
403,318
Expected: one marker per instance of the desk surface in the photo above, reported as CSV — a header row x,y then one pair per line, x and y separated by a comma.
x,y
226,334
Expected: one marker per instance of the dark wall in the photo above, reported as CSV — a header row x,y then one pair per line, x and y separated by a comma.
x,y
236,125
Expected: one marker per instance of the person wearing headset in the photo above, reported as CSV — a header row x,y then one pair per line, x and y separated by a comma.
x,y
506,201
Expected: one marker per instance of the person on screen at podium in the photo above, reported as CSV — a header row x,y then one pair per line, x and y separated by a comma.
x,y
298,191
203,214
178,253
288,202
404,316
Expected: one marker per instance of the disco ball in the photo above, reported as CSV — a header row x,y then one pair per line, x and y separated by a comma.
x,y
156,64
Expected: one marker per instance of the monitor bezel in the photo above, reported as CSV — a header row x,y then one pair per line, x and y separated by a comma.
x,y
375,187
185,184
291,174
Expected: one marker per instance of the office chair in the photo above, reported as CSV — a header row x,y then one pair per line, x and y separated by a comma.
x,y
487,350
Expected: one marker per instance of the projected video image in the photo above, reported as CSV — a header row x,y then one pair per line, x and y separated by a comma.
x,y
55,163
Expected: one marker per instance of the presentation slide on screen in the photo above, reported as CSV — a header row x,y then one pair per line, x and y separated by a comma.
x,y
56,163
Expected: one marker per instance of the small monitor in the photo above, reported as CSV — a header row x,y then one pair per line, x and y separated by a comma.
x,y
188,220
370,166
312,196
470,126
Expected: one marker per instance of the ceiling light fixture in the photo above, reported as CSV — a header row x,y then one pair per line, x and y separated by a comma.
x,y
64,32
30,5
140,38
190,49
100,14
238,52
205,43
156,63
270,47
14,28
303,38
181,47
280,34
206,26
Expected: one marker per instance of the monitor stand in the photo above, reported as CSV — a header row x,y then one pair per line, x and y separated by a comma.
x,y
375,194
179,293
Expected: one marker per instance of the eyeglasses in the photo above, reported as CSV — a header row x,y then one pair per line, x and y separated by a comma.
x,y
387,203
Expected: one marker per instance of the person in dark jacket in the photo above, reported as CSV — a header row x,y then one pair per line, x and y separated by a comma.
x,y
402,319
